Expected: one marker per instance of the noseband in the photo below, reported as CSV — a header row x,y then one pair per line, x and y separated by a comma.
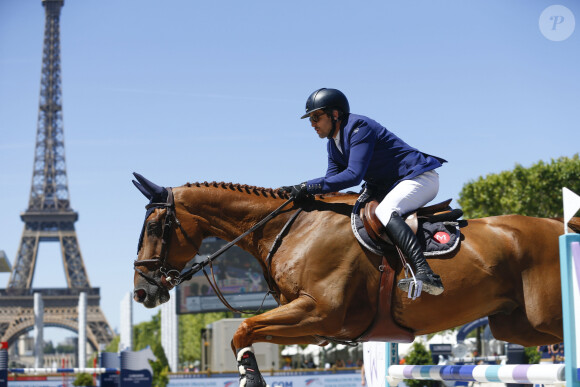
x,y
160,261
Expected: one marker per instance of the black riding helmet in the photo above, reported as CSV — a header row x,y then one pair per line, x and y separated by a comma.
x,y
326,99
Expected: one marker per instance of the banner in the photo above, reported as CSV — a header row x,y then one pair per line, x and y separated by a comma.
x,y
292,379
135,368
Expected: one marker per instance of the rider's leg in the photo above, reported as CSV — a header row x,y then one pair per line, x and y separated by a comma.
x,y
407,196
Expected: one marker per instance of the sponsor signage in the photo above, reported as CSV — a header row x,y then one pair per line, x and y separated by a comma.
x,y
291,379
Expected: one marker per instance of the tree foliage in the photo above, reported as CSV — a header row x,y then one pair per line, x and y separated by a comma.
x,y
533,191
48,348
149,334
532,355
65,348
146,334
190,326
113,346
83,379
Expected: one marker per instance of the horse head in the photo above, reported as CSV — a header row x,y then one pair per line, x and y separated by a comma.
x,y
159,242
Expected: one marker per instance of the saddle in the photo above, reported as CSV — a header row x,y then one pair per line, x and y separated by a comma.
x,y
375,228
428,220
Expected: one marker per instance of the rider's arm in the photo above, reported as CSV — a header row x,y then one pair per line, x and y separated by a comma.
x,y
333,167
362,141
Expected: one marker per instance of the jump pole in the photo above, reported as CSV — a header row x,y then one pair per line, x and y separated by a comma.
x,y
511,373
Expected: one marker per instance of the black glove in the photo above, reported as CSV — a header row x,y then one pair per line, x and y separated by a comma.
x,y
297,191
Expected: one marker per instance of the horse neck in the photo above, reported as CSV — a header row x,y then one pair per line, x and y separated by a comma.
x,y
228,210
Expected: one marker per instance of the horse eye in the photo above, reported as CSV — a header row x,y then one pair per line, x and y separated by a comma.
x,y
153,228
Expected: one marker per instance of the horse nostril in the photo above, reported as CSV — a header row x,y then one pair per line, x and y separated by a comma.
x,y
139,295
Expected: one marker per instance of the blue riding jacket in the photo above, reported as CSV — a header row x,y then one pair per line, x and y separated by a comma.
x,y
372,153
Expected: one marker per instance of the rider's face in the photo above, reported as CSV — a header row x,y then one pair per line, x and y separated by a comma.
x,y
321,122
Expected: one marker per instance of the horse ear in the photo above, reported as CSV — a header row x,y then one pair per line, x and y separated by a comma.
x,y
146,193
156,192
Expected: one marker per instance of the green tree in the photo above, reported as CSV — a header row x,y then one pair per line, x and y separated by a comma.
x,y
49,348
83,379
113,345
190,326
533,191
532,355
148,333
65,348
419,355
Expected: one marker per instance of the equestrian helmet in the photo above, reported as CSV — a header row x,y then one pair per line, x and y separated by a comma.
x,y
326,99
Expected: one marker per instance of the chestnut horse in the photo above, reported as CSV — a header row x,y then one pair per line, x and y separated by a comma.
x,y
507,267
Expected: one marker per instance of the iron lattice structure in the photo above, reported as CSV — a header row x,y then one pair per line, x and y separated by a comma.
x,y
49,216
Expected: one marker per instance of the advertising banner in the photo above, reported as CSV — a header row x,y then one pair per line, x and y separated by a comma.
x,y
307,379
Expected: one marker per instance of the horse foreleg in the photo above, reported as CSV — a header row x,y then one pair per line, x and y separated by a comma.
x,y
291,340
293,323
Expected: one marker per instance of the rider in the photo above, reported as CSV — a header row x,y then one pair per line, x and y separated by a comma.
x,y
360,148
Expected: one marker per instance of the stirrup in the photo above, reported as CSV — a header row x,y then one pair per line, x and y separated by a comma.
x,y
412,286
429,282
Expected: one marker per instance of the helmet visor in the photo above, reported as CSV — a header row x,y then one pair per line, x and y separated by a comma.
x,y
308,113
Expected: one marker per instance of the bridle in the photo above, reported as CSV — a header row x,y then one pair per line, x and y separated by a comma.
x,y
160,262
173,276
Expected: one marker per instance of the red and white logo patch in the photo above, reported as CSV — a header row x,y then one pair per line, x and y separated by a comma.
x,y
442,237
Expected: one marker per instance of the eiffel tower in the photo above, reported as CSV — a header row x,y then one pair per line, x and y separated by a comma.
x,y
49,218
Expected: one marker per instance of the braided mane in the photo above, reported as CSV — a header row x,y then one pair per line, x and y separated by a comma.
x,y
249,189
260,191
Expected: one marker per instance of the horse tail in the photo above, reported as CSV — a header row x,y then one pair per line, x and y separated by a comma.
x,y
574,223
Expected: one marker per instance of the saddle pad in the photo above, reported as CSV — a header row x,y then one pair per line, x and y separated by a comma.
x,y
436,237
360,232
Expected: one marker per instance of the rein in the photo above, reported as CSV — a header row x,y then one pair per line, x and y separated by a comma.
x,y
174,277
199,266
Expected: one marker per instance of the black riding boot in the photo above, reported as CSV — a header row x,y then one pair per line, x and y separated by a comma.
x,y
402,235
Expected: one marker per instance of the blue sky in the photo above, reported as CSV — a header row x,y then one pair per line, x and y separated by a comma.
x,y
192,91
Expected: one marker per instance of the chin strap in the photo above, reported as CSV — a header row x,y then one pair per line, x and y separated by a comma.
x,y
334,122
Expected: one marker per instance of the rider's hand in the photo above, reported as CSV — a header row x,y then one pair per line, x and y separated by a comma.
x,y
297,191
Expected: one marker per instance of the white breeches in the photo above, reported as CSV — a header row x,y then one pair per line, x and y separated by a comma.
x,y
409,195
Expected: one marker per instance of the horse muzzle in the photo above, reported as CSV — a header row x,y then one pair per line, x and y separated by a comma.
x,y
150,295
